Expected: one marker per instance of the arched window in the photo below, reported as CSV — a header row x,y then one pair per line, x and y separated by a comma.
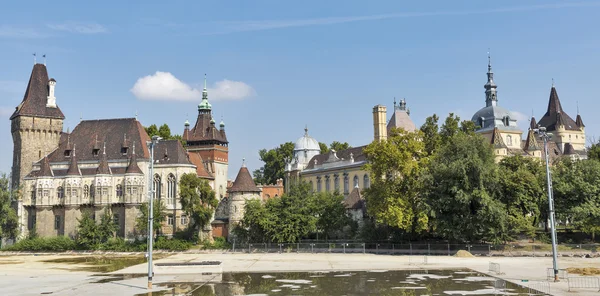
x,y
32,193
86,191
221,191
336,182
119,190
318,184
509,140
68,191
366,183
346,184
327,185
311,185
92,191
355,183
60,192
157,186
171,183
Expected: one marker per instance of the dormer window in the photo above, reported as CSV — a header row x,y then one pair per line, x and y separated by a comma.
x,y
124,150
67,153
95,152
506,120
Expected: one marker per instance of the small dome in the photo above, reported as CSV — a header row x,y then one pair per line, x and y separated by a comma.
x,y
307,142
51,80
495,116
204,105
212,122
222,124
187,123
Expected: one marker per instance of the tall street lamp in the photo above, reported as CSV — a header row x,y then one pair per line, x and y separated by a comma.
x,y
151,191
541,131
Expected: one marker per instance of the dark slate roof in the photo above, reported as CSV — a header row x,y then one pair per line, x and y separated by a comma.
x,y
569,149
532,124
132,167
103,168
354,200
579,121
357,153
73,168
170,152
45,170
95,134
555,116
243,182
205,131
36,96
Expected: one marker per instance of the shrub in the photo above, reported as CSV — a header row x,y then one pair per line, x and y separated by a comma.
x,y
163,243
51,244
220,243
120,245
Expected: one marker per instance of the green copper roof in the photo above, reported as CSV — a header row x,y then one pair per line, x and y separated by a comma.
x,y
222,124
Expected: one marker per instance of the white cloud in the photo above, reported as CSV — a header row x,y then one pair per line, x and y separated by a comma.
x,y
17,32
165,86
230,90
80,28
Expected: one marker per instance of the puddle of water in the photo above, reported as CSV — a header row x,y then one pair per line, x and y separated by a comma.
x,y
102,263
434,282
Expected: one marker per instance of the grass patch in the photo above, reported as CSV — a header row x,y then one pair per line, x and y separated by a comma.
x,y
584,270
103,263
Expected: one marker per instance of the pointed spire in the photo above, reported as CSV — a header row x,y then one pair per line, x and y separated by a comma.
x,y
204,105
45,170
133,167
554,105
73,167
532,124
103,168
531,143
497,140
243,182
491,97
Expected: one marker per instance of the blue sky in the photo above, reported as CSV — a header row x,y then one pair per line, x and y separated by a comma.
x,y
275,66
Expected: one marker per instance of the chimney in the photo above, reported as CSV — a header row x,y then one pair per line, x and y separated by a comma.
x,y
51,98
380,122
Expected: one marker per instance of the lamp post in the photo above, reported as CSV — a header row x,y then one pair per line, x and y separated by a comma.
x,y
151,189
541,131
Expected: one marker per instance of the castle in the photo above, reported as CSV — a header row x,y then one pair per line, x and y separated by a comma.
x,y
103,164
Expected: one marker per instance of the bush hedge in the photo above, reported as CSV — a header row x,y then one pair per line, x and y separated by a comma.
x,y
52,244
64,243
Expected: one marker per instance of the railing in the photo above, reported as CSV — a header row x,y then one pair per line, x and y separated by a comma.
x,y
584,282
417,260
562,274
538,288
495,268
415,249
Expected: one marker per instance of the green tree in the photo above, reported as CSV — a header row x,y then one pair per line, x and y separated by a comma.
x,y
324,148
107,226
292,216
87,232
274,163
152,130
158,210
8,216
164,132
593,152
198,200
522,192
332,217
431,134
450,128
338,146
397,167
253,226
463,187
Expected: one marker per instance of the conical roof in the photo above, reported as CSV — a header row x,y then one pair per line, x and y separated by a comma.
x,y
579,121
45,170
569,149
244,182
36,96
531,143
497,140
555,115
354,200
532,123
133,167
73,167
103,168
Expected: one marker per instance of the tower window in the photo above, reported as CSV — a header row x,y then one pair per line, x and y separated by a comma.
x,y
95,152
60,192
67,153
124,150
57,222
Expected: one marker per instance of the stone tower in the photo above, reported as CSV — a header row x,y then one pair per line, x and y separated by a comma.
x,y
243,189
36,124
380,122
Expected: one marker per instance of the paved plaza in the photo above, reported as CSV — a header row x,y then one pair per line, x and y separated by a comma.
x,y
28,275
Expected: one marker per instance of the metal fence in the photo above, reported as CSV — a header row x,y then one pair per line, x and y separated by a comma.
x,y
562,274
495,268
420,249
538,287
584,282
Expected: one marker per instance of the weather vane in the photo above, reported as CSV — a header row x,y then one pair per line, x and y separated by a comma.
x,y
34,59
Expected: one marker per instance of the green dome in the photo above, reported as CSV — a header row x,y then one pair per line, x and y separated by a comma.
x,y
212,121
187,123
222,124
204,105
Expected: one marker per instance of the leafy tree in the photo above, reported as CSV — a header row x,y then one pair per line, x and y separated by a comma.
x,y
158,209
431,135
198,200
593,152
87,232
152,130
164,131
338,146
107,226
274,163
292,219
253,226
450,127
8,216
463,188
522,192
397,168
331,214
324,148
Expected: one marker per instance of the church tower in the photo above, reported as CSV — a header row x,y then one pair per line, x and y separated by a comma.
x,y
208,145
36,124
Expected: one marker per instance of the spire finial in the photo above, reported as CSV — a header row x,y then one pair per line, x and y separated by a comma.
x,y
133,151
577,107
136,115
34,58
44,56
80,117
104,149
306,130
394,102
244,162
489,60
204,81
553,83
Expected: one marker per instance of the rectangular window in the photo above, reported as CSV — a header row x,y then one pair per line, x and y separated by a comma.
x,y
32,220
116,219
169,220
184,220
46,192
57,222
104,191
